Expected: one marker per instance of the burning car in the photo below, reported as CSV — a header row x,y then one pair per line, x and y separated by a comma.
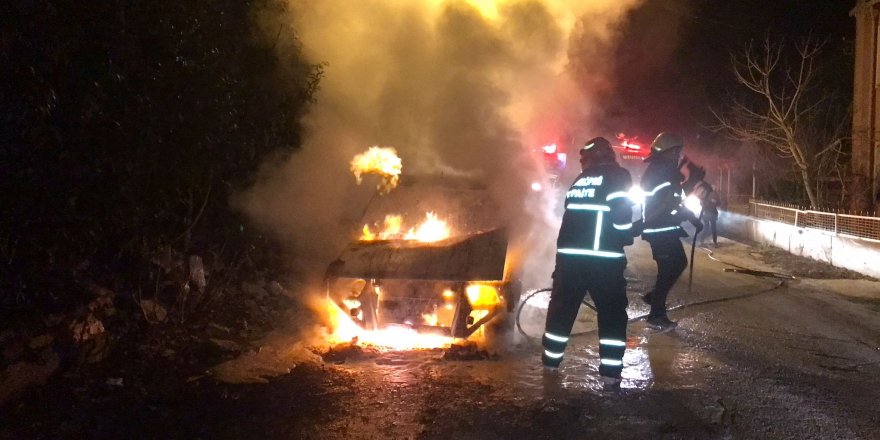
x,y
449,275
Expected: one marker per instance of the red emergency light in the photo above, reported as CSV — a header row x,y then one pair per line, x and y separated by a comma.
x,y
630,149
553,159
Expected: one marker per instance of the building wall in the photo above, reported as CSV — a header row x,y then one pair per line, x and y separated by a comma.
x,y
860,255
866,137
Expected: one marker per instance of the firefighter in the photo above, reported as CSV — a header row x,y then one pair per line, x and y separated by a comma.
x,y
664,212
596,225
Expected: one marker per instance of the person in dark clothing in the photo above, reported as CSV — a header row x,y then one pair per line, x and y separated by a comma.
x,y
709,202
596,225
664,212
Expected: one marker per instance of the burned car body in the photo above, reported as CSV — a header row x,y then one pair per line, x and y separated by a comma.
x,y
452,286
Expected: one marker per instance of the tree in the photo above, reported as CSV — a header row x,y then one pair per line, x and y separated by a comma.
x,y
125,127
786,109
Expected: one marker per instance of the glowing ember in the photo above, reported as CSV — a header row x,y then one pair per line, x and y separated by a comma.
x,y
381,161
432,229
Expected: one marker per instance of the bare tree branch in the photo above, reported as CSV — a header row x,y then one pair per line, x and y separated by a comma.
x,y
784,113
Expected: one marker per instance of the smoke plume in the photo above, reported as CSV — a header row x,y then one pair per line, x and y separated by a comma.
x,y
456,87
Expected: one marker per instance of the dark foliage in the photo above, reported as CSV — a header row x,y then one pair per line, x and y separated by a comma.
x,y
124,128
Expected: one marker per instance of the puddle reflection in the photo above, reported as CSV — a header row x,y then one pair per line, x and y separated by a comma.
x,y
651,361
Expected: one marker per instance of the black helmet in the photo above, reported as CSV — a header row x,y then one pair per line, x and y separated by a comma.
x,y
598,150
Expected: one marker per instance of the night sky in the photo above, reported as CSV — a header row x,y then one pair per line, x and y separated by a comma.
x,y
673,61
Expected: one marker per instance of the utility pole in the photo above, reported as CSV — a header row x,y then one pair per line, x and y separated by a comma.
x,y
728,181
754,179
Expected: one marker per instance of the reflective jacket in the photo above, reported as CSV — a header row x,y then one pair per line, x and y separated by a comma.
x,y
663,208
598,212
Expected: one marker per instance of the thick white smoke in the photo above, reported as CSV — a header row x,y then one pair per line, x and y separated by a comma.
x,y
464,87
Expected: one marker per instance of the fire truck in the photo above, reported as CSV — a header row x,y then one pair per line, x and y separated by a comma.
x,y
632,155
553,167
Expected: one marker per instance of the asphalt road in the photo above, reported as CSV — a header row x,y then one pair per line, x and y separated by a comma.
x,y
753,357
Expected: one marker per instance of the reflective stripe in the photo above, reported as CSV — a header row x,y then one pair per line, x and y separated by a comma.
x,y
651,231
553,355
553,337
674,211
611,362
598,237
614,342
623,227
588,207
595,253
617,195
659,187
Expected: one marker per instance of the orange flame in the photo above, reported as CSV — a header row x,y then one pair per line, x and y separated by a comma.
x,y
381,161
344,329
483,298
430,230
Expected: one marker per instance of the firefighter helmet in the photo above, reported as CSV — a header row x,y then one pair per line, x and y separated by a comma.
x,y
598,149
665,142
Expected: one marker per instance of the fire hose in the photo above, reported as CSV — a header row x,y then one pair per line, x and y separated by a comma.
x,y
780,277
693,249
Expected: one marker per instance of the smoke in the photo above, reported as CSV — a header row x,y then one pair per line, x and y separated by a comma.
x,y
457,87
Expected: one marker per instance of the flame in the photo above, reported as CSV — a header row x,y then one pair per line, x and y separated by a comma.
x,y
430,230
482,296
430,319
344,329
367,234
381,161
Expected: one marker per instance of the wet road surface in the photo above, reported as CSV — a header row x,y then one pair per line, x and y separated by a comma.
x,y
752,357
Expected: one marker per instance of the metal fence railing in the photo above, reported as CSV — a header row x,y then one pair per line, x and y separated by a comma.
x,y
738,203
840,223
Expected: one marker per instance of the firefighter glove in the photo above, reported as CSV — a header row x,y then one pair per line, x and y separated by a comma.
x,y
698,225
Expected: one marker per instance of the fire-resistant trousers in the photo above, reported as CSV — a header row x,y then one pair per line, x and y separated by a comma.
x,y
603,279
668,252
